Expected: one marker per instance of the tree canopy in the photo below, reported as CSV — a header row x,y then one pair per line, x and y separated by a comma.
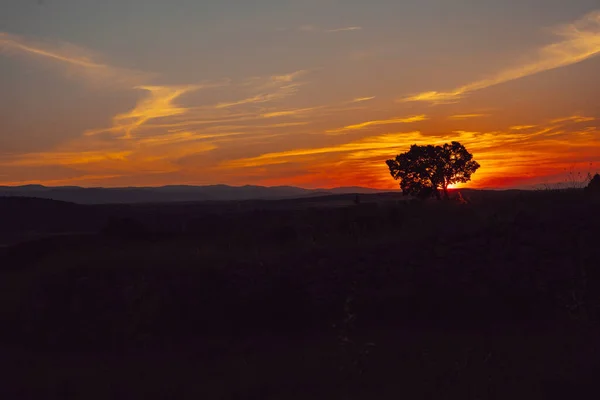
x,y
424,171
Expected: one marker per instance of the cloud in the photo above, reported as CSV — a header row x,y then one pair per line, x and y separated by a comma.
x,y
346,29
273,88
259,98
124,148
362,125
467,133
159,103
284,91
75,59
387,141
153,154
467,116
192,120
283,125
89,155
287,113
577,42
312,28
361,99
159,109
166,136
522,127
545,150
184,136
574,118
67,158
289,77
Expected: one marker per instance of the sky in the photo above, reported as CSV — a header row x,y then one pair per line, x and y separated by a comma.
x,y
311,93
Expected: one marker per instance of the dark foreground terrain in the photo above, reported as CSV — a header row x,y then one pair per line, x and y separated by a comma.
x,y
338,298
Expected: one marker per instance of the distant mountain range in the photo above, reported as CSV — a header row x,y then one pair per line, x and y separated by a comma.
x,y
164,194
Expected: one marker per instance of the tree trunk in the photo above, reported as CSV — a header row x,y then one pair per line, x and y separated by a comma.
x,y
446,197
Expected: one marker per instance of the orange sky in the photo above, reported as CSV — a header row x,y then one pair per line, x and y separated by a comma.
x,y
75,115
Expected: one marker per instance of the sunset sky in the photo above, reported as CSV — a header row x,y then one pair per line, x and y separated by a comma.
x,y
311,93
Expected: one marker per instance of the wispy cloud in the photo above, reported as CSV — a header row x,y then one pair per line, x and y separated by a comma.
x,y
387,141
522,127
556,122
501,153
93,153
574,118
160,109
184,136
153,154
159,130
159,103
283,125
75,59
312,28
284,91
577,42
361,99
67,158
273,81
346,29
292,76
272,88
259,98
467,116
362,125
287,113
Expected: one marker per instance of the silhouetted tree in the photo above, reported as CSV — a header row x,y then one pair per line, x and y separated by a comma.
x,y
425,170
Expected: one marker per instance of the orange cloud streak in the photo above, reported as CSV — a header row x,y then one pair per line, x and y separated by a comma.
x,y
362,125
518,156
580,41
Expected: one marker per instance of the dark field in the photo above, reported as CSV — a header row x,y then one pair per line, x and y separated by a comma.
x,y
302,299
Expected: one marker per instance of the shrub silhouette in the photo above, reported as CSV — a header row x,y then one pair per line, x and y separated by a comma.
x,y
425,170
593,188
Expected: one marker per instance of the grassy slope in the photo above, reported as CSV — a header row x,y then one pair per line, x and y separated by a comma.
x,y
489,299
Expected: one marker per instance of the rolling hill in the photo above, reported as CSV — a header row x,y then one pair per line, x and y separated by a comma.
x,y
164,194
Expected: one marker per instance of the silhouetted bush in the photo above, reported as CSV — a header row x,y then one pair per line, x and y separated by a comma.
x,y
593,188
